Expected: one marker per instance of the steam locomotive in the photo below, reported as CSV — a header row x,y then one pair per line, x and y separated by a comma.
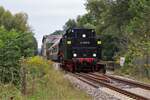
x,y
78,50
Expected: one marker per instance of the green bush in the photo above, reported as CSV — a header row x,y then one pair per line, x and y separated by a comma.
x,y
16,41
37,66
13,46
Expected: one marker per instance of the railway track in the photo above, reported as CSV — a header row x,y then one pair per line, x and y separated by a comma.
x,y
126,81
113,83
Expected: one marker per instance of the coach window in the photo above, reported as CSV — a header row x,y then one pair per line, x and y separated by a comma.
x,y
51,51
55,50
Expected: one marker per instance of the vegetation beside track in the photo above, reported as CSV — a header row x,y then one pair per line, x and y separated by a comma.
x,y
131,72
42,83
16,41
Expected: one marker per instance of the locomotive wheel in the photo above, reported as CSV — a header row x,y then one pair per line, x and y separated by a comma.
x,y
78,69
101,68
104,71
61,59
93,68
72,69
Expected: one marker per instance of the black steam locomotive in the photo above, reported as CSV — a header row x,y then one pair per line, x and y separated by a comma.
x,y
78,50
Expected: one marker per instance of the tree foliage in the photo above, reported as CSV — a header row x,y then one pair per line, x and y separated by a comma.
x,y
58,32
16,41
124,26
71,23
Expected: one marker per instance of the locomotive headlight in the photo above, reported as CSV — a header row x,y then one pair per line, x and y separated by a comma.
x,y
74,55
84,35
94,54
68,42
99,42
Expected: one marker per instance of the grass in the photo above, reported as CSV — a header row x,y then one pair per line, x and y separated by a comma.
x,y
131,72
8,91
51,86
55,87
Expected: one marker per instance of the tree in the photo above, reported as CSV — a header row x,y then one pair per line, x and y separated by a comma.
x,y
20,22
16,41
71,23
2,10
58,32
17,21
85,21
139,33
14,46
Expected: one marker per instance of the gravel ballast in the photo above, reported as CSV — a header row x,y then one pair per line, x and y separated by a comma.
x,y
96,93
101,93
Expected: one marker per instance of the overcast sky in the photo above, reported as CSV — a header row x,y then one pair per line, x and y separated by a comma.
x,y
46,16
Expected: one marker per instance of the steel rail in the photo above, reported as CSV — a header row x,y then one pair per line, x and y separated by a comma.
x,y
84,80
129,82
108,85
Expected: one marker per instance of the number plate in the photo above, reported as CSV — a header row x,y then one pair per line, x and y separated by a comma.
x,y
85,42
